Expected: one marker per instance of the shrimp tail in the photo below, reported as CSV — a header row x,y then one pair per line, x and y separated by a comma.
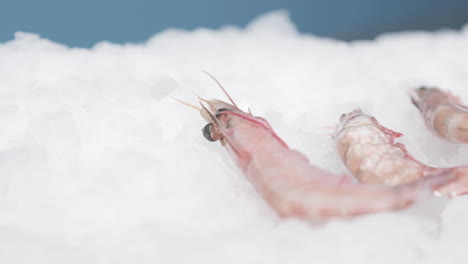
x,y
430,185
351,199
458,185
411,193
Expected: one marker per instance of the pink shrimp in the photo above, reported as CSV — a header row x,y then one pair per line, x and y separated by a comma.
x,y
369,151
443,113
286,179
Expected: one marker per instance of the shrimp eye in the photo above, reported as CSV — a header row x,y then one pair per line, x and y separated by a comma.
x,y
207,132
342,117
218,113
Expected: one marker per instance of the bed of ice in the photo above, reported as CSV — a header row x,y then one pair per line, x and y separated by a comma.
x,y
98,166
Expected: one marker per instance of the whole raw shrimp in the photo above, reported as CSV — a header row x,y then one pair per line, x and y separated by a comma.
x,y
370,152
443,113
286,179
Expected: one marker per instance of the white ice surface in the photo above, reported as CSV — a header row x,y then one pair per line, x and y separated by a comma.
x,y
98,166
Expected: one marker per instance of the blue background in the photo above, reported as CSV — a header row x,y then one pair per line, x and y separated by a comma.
x,y
86,22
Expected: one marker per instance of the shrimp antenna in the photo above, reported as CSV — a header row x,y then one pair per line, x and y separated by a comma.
x,y
222,88
180,101
212,117
202,99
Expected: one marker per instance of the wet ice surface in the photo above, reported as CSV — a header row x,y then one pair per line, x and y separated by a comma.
x,y
98,166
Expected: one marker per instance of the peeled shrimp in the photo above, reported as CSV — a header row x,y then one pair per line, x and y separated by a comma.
x,y
370,152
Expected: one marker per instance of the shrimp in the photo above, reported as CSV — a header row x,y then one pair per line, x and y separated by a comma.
x,y
371,154
443,113
285,178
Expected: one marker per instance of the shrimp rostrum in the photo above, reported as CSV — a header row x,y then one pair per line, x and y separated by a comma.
x,y
285,178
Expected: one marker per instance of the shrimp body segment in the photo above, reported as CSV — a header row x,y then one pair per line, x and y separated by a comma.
x,y
285,178
370,152
443,113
